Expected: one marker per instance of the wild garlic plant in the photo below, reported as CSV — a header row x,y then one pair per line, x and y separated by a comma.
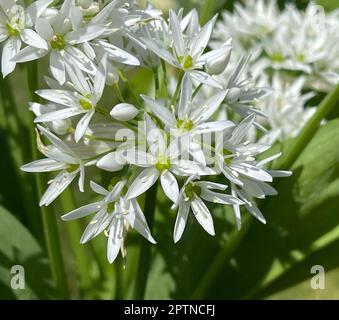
x,y
294,52
194,134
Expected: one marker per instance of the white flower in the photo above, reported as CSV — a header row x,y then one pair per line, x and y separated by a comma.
x,y
191,196
16,24
187,50
61,36
236,159
60,157
82,101
285,109
189,120
124,112
115,214
159,162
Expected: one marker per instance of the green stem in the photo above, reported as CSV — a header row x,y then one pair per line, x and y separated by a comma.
x,y
131,90
309,130
48,217
145,246
156,84
118,93
196,90
118,280
74,229
177,90
53,247
292,154
164,70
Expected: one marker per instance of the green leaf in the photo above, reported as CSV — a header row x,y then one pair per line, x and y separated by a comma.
x,y
18,247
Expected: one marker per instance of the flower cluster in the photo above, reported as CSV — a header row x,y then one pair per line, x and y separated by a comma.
x,y
291,51
191,133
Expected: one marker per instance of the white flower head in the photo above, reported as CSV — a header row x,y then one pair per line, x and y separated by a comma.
x,y
113,214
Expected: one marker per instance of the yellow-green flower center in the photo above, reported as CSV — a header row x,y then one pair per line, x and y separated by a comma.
x,y
163,164
72,167
58,42
192,190
277,57
186,62
12,31
186,125
85,104
226,153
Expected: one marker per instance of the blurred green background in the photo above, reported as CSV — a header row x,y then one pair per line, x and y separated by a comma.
x,y
272,261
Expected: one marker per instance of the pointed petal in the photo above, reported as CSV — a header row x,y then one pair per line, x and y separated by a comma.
x,y
43,165
82,211
82,126
180,222
170,185
203,215
9,50
142,182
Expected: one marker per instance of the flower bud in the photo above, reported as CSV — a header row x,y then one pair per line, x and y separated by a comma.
x,y
217,63
61,126
124,112
111,162
233,95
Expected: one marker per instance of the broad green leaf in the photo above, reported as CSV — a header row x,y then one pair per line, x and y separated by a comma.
x,y
18,247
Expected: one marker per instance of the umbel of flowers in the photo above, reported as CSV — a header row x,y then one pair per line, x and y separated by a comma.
x,y
294,52
195,134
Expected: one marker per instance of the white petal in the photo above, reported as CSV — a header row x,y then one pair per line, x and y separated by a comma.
x,y
82,126
98,189
85,34
9,50
185,96
44,29
181,220
160,111
242,129
97,225
179,45
36,9
100,79
43,165
115,240
155,139
170,185
29,54
220,198
146,179
252,172
138,158
63,97
140,223
118,55
214,126
201,41
58,185
59,144
32,39
210,107
58,115
205,78
112,161
203,215
57,66
82,211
